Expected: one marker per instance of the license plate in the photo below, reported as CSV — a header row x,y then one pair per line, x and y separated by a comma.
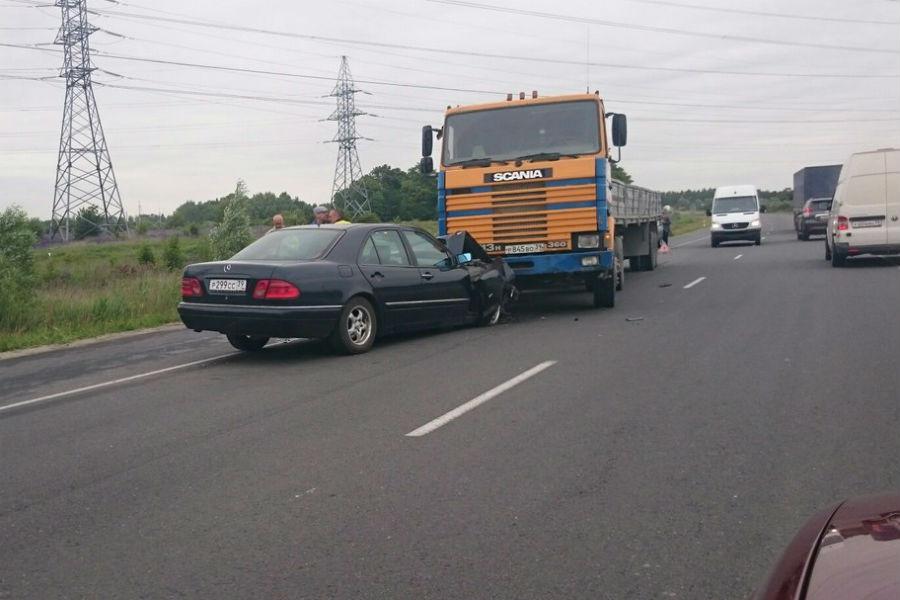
x,y
227,285
524,248
866,223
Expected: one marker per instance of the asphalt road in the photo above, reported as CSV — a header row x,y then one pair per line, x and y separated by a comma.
x,y
670,451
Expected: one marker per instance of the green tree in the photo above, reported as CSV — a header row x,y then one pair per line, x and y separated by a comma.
x,y
233,233
173,257
145,255
87,222
142,227
16,265
621,174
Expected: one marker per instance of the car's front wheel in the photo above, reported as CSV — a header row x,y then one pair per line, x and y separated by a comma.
x,y
248,343
356,327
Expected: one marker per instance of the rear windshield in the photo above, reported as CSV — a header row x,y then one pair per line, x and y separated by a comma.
x,y
289,244
820,204
722,206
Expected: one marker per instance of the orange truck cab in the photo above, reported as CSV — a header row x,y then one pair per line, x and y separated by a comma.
x,y
530,180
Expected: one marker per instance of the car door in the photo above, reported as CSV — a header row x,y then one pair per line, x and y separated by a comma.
x,y
446,293
396,282
892,184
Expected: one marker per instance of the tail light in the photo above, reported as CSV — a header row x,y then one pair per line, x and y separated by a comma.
x,y
843,223
191,287
807,211
275,289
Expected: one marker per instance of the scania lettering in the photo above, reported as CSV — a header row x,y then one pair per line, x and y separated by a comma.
x,y
530,179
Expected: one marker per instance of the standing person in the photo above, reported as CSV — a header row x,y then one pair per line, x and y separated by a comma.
x,y
277,223
320,215
666,221
337,217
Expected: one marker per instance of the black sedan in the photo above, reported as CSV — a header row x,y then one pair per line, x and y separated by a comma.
x,y
347,283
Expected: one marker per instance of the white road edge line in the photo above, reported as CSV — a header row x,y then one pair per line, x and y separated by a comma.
x,y
479,400
738,257
104,384
694,282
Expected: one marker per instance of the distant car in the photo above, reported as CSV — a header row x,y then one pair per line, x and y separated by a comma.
x,y
735,215
813,219
865,215
347,283
846,552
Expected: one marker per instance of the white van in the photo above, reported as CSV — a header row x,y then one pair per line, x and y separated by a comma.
x,y
735,215
865,213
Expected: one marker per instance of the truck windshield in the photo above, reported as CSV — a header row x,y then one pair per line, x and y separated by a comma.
x,y
737,204
520,131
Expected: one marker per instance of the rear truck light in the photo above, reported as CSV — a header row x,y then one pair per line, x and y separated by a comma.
x,y
588,240
191,287
590,261
843,223
275,289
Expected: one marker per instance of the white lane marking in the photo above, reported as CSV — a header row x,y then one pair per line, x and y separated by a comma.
x,y
694,282
479,400
104,384
738,257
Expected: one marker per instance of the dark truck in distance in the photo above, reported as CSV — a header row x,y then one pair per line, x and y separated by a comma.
x,y
812,183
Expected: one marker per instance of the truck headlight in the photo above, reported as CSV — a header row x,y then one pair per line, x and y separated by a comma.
x,y
590,261
588,240
754,223
716,226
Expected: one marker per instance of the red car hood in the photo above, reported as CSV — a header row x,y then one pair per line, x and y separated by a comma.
x,y
859,553
847,552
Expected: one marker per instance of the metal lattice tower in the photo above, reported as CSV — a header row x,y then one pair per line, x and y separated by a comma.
x,y
347,172
84,172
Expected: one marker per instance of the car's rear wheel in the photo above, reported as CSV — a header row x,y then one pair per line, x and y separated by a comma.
x,y
838,259
757,240
827,251
248,343
803,235
356,327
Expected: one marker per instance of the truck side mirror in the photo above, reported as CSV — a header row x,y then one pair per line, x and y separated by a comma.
x,y
426,166
619,130
427,140
762,208
708,213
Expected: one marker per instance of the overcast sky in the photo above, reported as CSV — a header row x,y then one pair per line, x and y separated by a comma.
x,y
169,147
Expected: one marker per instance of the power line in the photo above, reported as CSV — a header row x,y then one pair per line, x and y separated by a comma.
x,y
460,52
759,13
656,29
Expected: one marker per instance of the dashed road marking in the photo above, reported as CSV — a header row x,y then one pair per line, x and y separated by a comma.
x,y
694,282
479,400
738,257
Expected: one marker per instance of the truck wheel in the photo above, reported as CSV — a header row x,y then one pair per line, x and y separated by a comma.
x,y
248,343
653,259
356,328
605,292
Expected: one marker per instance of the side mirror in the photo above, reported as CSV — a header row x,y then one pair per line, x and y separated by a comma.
x,y
464,258
762,208
708,213
427,140
619,130
426,166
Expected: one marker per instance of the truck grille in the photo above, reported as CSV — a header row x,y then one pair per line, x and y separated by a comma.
x,y
522,212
